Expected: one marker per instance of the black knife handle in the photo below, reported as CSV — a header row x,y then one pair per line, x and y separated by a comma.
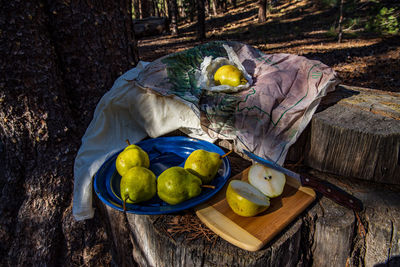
x,y
333,192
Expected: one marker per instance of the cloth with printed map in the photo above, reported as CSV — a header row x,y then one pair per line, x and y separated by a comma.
x,y
264,116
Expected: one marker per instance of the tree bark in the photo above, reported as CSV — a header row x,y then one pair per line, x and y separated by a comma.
x,y
58,59
191,7
173,15
146,8
201,25
234,4
136,7
340,21
262,4
214,7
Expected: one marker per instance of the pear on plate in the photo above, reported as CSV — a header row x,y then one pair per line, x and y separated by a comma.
x,y
245,200
176,185
203,164
131,156
267,180
138,184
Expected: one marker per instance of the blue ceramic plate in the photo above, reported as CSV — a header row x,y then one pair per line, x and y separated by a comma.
x,y
164,152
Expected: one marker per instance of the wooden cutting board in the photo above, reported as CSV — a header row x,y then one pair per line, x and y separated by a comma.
x,y
253,233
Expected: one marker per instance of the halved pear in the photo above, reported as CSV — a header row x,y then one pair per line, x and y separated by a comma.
x,y
246,200
267,180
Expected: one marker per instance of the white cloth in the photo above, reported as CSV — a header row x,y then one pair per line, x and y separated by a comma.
x,y
125,112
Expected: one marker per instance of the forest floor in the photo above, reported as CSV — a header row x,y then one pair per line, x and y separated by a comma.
x,y
296,27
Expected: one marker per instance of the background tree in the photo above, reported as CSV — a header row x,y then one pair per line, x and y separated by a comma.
x,y
263,10
136,7
214,7
201,26
340,21
58,58
173,16
146,8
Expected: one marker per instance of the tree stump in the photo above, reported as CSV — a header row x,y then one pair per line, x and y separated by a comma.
x,y
357,134
325,234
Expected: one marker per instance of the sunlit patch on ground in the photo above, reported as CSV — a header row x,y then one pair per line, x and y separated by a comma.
x,y
296,27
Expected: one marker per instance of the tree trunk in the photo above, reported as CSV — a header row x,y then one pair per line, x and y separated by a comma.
x,y
222,5
340,21
166,11
156,9
214,7
262,11
191,9
201,27
207,8
136,7
173,15
234,4
146,8
58,59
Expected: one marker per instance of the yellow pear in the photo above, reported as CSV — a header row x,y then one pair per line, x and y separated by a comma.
x,y
131,156
138,184
246,200
229,75
203,164
176,185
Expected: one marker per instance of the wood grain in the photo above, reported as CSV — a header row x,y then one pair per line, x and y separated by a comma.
x,y
354,133
219,217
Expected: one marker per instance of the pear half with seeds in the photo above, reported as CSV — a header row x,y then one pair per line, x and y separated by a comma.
x,y
267,180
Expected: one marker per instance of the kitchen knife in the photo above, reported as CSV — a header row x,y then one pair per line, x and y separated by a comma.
x,y
327,189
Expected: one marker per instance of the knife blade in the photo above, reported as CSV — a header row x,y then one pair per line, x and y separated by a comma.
x,y
327,189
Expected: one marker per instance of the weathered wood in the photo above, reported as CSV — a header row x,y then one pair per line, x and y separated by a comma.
x,y
380,220
155,248
333,234
357,134
149,26
117,227
326,234
383,218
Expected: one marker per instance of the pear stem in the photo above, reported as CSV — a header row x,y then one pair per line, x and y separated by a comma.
x,y
223,156
127,197
125,204
127,141
207,186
